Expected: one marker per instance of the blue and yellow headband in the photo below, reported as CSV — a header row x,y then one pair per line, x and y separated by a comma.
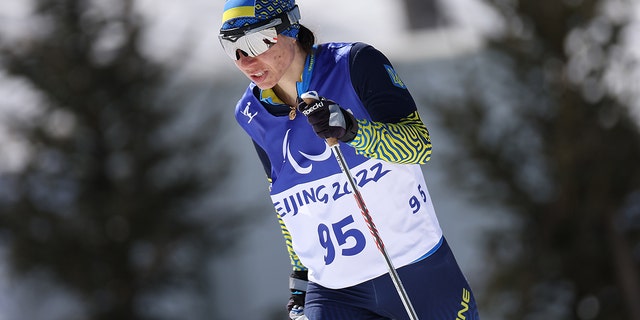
x,y
241,13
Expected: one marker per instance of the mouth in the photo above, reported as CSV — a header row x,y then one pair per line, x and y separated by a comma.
x,y
257,75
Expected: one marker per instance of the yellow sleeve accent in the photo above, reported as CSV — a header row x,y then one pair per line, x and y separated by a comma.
x,y
406,142
295,261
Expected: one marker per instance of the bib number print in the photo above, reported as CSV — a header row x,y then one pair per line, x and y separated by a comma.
x,y
348,241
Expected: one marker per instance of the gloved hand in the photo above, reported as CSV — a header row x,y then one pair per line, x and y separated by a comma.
x,y
298,286
296,302
297,313
327,118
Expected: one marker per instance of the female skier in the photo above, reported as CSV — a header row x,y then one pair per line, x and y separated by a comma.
x,y
338,272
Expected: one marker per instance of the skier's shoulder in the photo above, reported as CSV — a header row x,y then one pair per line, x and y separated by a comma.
x,y
249,95
248,103
341,47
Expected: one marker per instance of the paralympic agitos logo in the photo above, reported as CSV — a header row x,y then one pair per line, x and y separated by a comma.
x,y
286,153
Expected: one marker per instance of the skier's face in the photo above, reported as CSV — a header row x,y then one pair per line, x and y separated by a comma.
x,y
266,69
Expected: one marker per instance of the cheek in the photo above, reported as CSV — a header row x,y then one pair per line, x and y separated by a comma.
x,y
284,58
280,62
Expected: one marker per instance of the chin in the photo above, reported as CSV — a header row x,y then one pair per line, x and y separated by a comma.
x,y
265,86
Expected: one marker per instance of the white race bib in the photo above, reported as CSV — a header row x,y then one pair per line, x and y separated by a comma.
x,y
330,235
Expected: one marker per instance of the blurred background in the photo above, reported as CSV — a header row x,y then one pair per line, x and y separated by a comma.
x,y
127,191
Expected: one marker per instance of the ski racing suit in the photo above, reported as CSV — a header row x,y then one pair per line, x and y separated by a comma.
x,y
322,224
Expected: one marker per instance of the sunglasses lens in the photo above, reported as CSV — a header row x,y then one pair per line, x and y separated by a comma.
x,y
251,44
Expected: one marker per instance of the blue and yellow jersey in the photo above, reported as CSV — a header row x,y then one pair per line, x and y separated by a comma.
x,y
360,79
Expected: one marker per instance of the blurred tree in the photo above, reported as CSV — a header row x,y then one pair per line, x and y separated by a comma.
x,y
541,130
424,14
107,200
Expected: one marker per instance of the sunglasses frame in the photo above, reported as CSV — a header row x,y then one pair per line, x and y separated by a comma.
x,y
232,39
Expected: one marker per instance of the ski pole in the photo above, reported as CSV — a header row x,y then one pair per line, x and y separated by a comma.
x,y
335,148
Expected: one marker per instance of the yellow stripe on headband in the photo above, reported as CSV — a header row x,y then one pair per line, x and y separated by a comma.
x,y
237,12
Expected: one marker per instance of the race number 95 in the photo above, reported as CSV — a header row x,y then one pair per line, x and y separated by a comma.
x,y
415,203
341,232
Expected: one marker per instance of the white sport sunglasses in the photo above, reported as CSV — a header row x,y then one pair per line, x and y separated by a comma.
x,y
255,39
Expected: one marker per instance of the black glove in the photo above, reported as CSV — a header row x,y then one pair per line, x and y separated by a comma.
x,y
298,286
327,118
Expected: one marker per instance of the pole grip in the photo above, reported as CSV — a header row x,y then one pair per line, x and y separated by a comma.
x,y
308,100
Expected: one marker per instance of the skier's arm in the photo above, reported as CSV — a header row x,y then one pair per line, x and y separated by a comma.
x,y
406,141
298,278
295,261
396,132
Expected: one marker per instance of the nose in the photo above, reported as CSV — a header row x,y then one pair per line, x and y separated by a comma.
x,y
244,61
240,54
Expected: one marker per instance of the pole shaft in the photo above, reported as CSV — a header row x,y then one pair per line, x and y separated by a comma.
x,y
335,147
